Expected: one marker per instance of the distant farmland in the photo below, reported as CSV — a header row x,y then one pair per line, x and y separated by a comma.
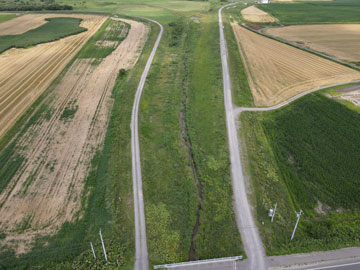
x,y
276,71
339,40
253,14
26,73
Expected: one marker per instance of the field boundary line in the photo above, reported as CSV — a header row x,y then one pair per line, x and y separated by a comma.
x,y
333,59
141,252
239,110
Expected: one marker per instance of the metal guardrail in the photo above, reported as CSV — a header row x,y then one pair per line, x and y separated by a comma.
x,y
164,266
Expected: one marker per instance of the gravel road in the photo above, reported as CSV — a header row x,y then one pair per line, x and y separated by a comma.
x,y
245,220
141,253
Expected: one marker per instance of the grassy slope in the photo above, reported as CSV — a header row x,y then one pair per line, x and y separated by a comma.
x,y
308,153
192,69
55,29
240,88
109,205
339,11
6,17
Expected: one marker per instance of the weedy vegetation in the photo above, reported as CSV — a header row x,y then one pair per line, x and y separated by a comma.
x,y
305,156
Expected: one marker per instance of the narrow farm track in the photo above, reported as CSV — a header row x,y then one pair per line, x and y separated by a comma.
x,y
47,189
26,73
245,220
238,110
141,252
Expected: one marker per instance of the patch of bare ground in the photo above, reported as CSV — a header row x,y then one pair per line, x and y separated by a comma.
x,y
254,14
47,190
277,72
26,73
339,40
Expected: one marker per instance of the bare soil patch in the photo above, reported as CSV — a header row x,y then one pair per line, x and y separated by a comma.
x,y
339,40
277,72
48,189
26,73
254,14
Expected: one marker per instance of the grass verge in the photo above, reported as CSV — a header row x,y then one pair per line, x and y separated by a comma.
x,y
240,88
187,74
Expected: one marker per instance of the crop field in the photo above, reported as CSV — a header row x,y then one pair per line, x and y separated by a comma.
x,y
43,170
54,29
253,14
308,159
106,40
338,40
23,69
315,12
277,72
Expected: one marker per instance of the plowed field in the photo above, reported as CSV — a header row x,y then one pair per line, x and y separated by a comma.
x,y
26,73
339,40
47,190
277,72
253,14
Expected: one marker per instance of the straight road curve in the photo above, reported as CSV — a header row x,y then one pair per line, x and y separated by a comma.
x,y
141,253
245,221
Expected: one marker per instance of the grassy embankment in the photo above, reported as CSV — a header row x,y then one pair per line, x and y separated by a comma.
x,y
305,156
108,190
54,29
183,140
240,88
337,11
6,17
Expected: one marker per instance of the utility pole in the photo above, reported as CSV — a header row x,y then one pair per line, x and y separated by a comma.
x,y
297,222
273,215
103,246
93,251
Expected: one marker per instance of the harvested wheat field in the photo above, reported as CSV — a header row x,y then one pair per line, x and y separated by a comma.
x,y
48,188
26,73
339,40
254,14
277,72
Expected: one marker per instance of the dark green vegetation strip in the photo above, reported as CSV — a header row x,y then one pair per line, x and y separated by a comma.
x,y
111,31
305,156
185,83
338,11
54,29
239,84
108,189
6,17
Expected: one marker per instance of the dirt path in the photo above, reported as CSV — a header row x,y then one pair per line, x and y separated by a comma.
x,y
26,73
249,233
47,190
141,252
